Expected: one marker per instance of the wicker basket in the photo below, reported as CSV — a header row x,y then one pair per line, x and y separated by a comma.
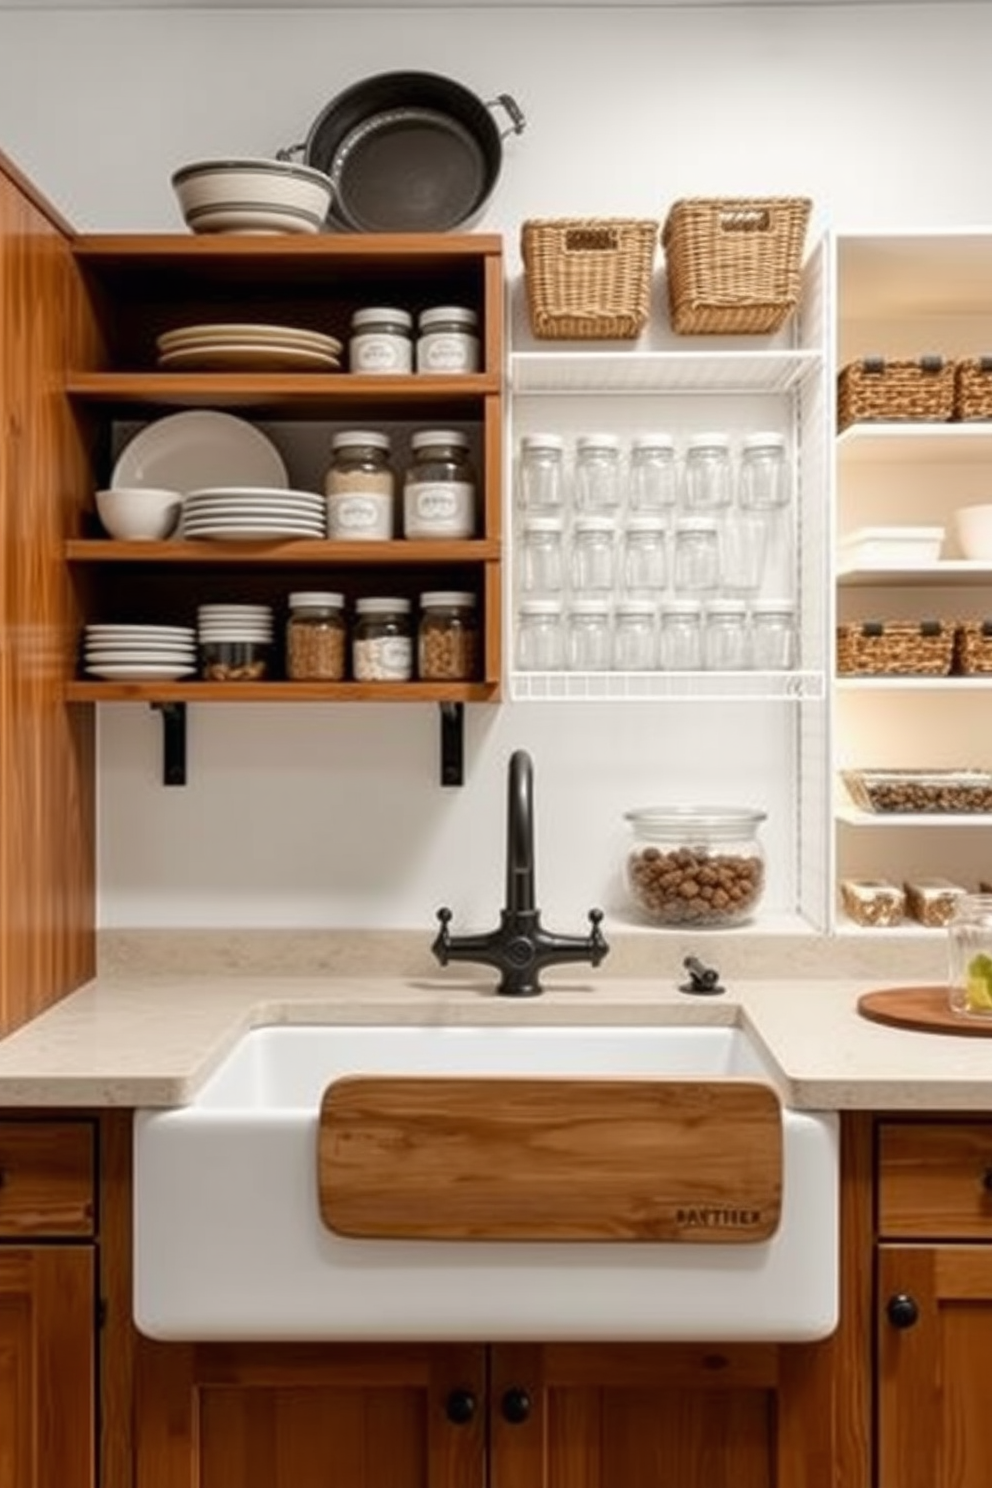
x,y
895,648
973,648
588,278
973,388
875,388
734,266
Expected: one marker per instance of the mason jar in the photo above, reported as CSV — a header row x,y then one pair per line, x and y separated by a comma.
x,y
541,562
763,479
773,634
439,486
695,866
589,635
725,635
381,341
360,487
707,482
382,640
447,636
680,635
540,472
315,637
597,472
593,554
652,480
448,340
696,556
969,934
635,639
540,635
643,569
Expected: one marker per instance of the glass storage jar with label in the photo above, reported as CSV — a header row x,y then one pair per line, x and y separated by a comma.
x,y
448,340
315,637
360,486
382,642
447,637
381,341
439,487
541,472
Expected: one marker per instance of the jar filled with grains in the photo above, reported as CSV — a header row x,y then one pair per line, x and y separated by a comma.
x,y
315,637
448,636
382,643
360,486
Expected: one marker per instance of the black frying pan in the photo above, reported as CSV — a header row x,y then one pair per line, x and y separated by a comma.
x,y
408,152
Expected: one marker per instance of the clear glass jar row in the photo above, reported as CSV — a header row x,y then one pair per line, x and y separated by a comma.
x,y
590,634
644,556
708,473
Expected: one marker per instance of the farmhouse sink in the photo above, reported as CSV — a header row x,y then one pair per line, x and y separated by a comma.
x,y
233,1238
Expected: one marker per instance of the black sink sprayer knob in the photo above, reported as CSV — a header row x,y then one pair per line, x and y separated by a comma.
x,y
902,1311
460,1407
516,1406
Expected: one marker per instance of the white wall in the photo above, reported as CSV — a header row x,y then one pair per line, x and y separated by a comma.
x,y
324,816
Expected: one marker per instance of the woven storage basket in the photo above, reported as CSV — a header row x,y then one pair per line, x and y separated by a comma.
x,y
973,388
588,277
734,265
973,648
895,648
875,388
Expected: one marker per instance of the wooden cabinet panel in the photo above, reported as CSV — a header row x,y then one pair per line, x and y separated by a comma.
x,y
934,1425
47,1408
46,1178
935,1180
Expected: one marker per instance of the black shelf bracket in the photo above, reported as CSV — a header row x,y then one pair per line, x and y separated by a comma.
x,y
452,743
173,742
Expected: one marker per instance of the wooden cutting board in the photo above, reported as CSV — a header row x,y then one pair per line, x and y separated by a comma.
x,y
550,1159
922,1008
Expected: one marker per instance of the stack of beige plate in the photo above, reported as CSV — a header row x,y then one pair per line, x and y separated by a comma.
x,y
247,348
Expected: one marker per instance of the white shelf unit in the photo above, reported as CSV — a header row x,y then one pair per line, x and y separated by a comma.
x,y
906,295
685,385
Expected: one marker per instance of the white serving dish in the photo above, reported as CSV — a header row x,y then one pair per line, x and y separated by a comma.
x,y
891,547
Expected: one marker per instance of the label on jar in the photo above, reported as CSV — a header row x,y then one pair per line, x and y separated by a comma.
x,y
359,516
447,351
380,352
439,509
383,659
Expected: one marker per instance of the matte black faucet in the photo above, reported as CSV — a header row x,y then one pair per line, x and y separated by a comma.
x,y
519,948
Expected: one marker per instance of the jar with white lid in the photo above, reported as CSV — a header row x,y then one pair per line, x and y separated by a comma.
x,y
447,636
597,472
382,642
448,340
764,478
593,554
773,634
541,563
360,487
590,647
652,480
439,487
540,472
707,479
540,635
315,637
643,569
381,341
725,635
635,638
696,556
680,635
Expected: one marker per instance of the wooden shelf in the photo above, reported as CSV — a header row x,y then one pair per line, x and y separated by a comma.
x,y
312,393
193,691
306,552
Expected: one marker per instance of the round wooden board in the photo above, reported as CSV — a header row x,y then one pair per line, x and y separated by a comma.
x,y
922,1008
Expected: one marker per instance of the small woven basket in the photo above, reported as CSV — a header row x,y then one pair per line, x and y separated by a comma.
x,y
895,648
588,278
734,266
875,388
973,648
973,388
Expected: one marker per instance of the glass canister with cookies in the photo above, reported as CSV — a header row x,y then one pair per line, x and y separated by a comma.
x,y
695,866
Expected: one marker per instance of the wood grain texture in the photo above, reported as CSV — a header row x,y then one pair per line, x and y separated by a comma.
x,y
922,1008
47,894
46,1179
935,1180
554,1159
118,1334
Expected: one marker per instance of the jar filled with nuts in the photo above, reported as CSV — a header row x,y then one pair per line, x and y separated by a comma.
x,y
699,866
448,636
315,637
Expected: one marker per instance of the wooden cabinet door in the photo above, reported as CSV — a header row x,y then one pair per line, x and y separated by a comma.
x,y
314,1416
47,1412
655,1416
934,1363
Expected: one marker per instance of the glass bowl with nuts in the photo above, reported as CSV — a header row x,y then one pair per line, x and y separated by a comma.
x,y
697,867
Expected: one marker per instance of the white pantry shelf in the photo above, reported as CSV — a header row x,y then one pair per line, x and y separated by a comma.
x,y
852,816
601,372
721,687
938,444
914,684
957,572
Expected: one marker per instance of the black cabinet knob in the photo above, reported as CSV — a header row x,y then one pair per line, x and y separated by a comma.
x,y
902,1311
516,1406
460,1407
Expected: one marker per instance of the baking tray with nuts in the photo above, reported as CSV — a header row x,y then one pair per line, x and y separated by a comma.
x,y
911,791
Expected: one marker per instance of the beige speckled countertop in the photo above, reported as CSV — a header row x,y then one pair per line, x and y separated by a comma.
x,y
151,1040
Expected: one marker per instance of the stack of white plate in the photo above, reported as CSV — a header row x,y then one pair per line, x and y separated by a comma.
x,y
139,653
250,624
253,514
247,348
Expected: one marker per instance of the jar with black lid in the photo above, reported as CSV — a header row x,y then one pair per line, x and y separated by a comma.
x,y
448,636
315,637
439,487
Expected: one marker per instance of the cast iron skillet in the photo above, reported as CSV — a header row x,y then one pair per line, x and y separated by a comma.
x,y
408,152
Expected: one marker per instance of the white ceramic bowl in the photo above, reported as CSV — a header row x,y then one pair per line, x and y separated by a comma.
x,y
974,529
139,513
252,196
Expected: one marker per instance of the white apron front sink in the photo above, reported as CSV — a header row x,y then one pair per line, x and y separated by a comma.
x,y
229,1242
